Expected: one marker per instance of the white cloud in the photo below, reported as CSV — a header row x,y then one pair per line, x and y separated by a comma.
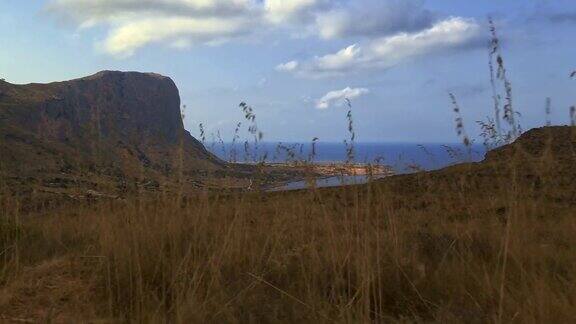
x,y
180,32
338,97
344,58
90,12
133,24
374,18
381,53
288,66
279,11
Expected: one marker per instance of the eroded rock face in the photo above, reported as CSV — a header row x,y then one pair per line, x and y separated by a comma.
x,y
112,105
124,124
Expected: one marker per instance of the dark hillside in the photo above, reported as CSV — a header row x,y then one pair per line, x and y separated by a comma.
x,y
122,125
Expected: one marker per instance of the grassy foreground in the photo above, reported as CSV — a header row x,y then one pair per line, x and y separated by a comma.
x,y
487,242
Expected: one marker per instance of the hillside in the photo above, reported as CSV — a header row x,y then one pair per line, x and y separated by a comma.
x,y
121,127
537,155
483,242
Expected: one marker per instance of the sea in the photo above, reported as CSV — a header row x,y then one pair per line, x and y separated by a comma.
x,y
401,157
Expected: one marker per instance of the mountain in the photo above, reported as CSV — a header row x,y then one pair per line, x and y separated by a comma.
x,y
113,125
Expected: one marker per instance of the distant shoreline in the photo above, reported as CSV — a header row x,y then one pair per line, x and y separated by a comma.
x,y
400,156
330,169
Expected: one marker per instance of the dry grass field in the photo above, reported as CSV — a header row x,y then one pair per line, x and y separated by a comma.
x,y
487,242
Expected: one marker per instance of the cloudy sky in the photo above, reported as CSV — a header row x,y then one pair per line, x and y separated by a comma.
x,y
296,61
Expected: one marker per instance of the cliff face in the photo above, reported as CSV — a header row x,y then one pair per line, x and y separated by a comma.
x,y
121,124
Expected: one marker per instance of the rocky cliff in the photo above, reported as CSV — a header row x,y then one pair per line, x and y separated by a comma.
x,y
122,125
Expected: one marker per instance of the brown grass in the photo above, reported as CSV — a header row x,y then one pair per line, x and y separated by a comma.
x,y
475,243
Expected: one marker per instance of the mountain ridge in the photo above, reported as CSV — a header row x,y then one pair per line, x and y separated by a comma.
x,y
121,124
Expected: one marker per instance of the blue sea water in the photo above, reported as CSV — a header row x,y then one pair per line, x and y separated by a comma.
x,y
402,157
324,183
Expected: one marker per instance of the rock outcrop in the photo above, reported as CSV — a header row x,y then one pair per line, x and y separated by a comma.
x,y
122,125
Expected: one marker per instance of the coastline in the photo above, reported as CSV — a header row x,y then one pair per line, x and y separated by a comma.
x,y
325,174
330,169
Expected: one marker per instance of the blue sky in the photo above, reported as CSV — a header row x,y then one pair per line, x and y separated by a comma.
x,y
295,61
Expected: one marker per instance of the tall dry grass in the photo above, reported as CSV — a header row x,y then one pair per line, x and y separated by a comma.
x,y
460,249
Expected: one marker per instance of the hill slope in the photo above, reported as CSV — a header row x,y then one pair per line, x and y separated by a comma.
x,y
539,154
123,125
484,242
